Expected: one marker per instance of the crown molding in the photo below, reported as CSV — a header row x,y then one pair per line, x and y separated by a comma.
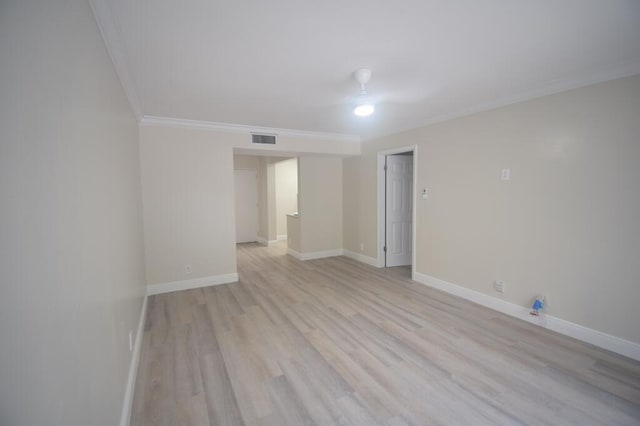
x,y
110,31
149,120
548,89
112,40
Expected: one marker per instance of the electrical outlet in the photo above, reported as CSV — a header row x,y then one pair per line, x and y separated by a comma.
x,y
505,174
361,246
130,340
498,286
187,269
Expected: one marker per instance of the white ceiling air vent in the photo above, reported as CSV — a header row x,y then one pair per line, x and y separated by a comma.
x,y
268,139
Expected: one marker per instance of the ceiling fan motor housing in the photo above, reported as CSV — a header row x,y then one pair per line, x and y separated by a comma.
x,y
363,75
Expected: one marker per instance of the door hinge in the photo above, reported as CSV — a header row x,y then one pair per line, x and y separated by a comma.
x,y
385,249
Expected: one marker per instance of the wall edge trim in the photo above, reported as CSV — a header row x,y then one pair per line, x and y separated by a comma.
x,y
372,261
314,254
125,416
111,38
169,287
265,242
321,254
150,120
567,328
293,253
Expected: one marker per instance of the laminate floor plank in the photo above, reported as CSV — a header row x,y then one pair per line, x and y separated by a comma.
x,y
243,296
377,399
222,406
287,403
336,342
318,410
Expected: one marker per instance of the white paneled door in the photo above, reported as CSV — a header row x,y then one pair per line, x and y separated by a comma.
x,y
246,189
399,208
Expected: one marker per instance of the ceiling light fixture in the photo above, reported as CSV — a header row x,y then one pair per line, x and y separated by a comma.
x,y
364,104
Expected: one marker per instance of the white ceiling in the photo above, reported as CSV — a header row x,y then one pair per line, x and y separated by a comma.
x,y
289,63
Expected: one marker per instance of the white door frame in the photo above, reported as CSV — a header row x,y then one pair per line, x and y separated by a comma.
x,y
381,203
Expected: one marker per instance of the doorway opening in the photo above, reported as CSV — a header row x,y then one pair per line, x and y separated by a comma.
x,y
396,207
266,191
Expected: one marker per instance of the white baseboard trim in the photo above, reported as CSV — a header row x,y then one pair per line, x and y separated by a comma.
x,y
292,252
321,254
282,237
314,254
189,284
268,243
361,258
133,368
577,331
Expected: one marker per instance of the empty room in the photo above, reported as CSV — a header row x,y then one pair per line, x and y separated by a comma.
x,y
319,213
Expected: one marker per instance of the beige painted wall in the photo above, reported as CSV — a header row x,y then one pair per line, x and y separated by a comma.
x,y
277,191
359,201
245,162
291,146
293,236
71,262
251,163
286,192
320,188
188,198
266,199
565,225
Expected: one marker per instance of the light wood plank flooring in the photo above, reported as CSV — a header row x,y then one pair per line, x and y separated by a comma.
x,y
333,341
